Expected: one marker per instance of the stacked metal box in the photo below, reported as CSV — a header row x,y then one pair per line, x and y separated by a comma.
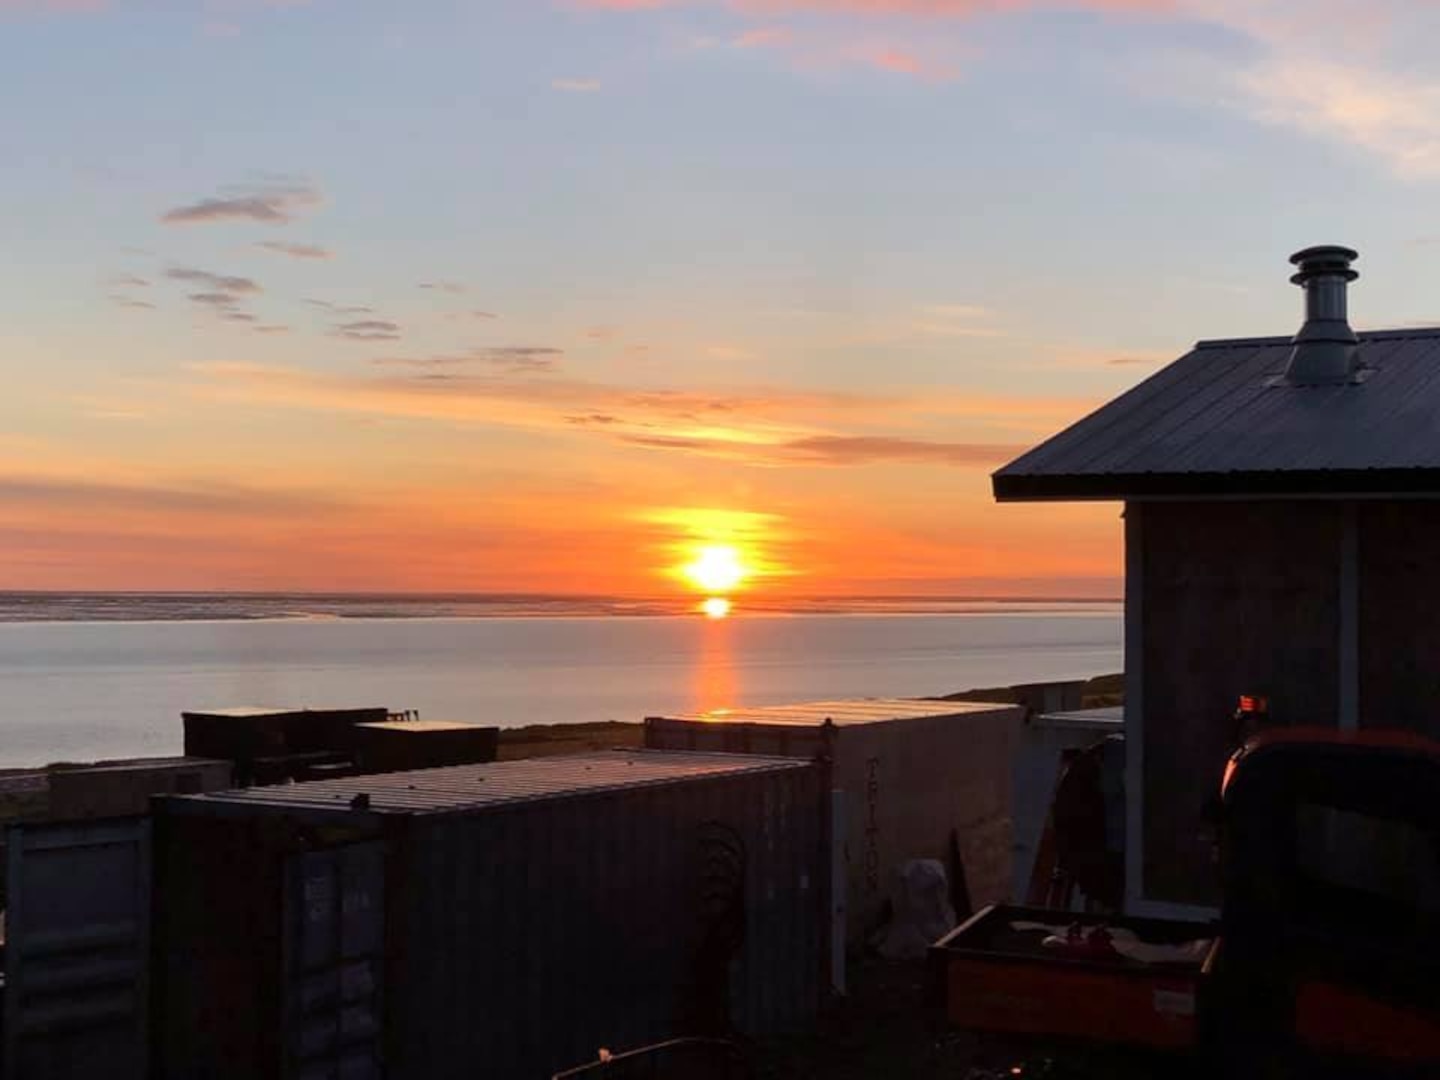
x,y
503,920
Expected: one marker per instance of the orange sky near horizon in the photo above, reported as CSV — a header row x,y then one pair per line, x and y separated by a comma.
x,y
573,288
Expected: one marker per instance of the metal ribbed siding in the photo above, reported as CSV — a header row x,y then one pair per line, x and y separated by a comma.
x,y
911,772
1216,412
539,910
545,931
77,952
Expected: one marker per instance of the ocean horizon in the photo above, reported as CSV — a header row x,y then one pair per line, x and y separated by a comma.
x,y
90,677
22,606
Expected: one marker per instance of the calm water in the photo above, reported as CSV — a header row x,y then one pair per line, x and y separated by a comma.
x,y
113,688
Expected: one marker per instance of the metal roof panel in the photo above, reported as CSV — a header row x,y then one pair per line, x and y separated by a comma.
x,y
1221,414
463,788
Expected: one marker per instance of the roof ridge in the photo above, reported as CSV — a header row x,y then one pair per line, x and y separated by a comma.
x,y
1285,339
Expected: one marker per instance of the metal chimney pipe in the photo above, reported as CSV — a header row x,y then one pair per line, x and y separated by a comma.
x,y
1325,350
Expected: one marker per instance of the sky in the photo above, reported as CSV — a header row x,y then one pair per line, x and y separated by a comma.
x,y
532,296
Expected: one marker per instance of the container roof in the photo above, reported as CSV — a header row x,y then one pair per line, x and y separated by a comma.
x,y
1221,420
840,713
248,712
477,787
1105,717
416,727
142,764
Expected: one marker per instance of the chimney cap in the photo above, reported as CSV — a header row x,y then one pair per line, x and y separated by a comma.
x,y
1324,259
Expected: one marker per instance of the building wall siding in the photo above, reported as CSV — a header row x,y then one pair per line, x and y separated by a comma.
x,y
1399,614
1239,597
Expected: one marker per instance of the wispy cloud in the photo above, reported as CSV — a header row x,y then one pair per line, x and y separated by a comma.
x,y
129,281
904,62
838,450
272,328
515,359
120,300
764,426
226,283
763,37
207,496
269,204
454,288
939,9
340,309
1394,116
958,320
575,86
213,299
221,294
296,251
368,330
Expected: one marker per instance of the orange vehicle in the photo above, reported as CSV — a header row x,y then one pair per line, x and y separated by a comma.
x,y
1329,961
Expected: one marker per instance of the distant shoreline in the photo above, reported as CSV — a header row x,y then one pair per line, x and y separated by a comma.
x,y
18,608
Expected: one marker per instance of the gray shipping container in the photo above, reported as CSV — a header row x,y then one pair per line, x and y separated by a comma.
x,y
498,920
912,773
1044,741
77,950
124,788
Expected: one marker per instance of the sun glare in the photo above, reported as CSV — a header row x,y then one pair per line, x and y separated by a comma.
x,y
717,607
716,568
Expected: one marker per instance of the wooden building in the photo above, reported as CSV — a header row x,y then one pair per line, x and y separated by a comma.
x,y
1282,511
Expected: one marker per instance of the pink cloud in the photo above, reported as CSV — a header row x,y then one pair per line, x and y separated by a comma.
x,y
947,8
905,63
763,37
944,9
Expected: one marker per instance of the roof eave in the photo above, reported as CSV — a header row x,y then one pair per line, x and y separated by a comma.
x,y
1275,484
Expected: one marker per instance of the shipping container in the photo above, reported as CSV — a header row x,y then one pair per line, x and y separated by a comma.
x,y
274,745
914,773
398,745
124,788
1045,743
76,930
498,920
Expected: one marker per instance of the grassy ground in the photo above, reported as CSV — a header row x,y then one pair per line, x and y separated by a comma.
x,y
1098,692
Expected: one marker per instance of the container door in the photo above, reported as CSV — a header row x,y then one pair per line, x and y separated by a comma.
x,y
334,960
77,924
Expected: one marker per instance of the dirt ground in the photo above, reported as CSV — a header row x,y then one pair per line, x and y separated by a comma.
x,y
545,740
887,1029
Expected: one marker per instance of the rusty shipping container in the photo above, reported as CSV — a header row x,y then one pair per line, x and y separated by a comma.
x,y
497,920
912,772
398,745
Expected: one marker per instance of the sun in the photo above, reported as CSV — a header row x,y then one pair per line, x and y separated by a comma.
x,y
716,607
716,568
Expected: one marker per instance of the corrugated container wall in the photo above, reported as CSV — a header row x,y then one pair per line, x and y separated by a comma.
x,y
534,912
422,744
913,773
